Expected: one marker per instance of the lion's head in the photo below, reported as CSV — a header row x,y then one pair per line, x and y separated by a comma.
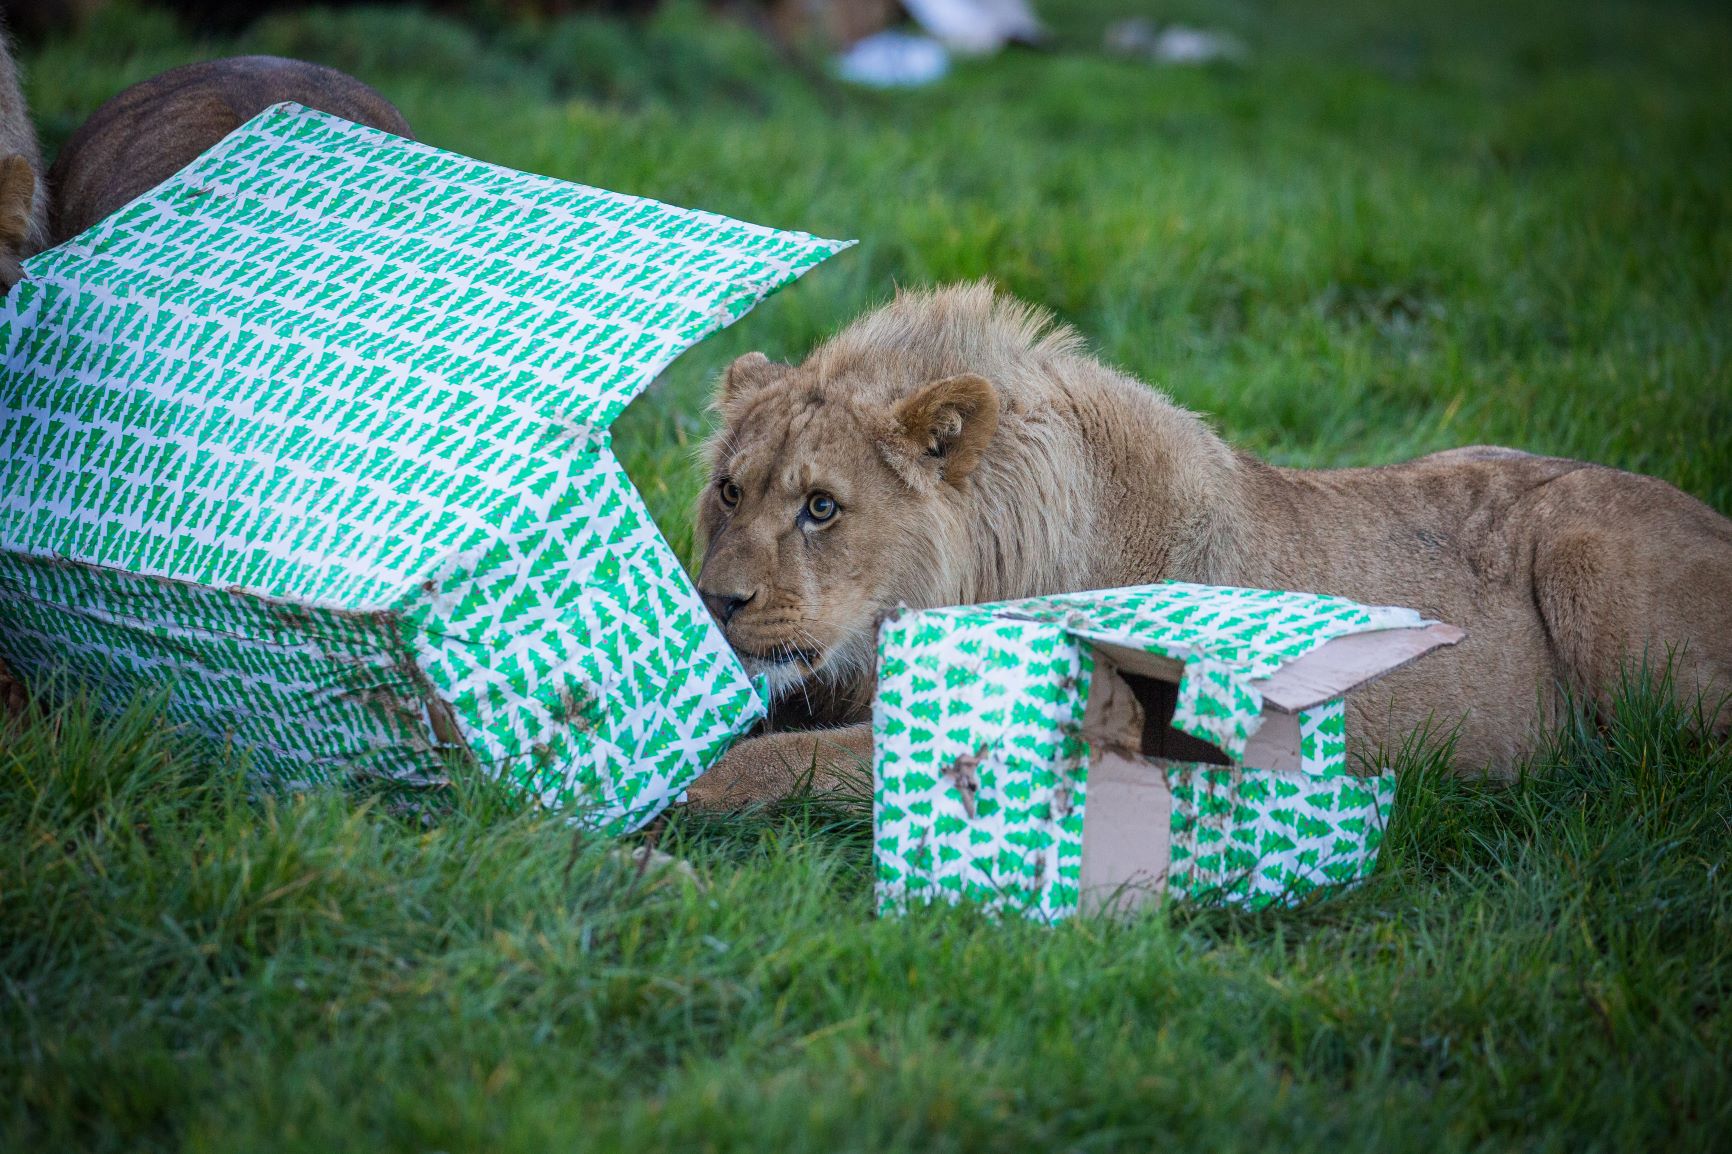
x,y
891,467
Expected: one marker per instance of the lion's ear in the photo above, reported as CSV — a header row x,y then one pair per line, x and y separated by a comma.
x,y
947,425
746,376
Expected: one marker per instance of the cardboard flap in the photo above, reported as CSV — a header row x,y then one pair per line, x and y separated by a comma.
x,y
1349,661
1112,716
1116,718
1127,834
1140,661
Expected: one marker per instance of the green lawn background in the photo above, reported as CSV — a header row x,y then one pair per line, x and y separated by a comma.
x,y
1398,227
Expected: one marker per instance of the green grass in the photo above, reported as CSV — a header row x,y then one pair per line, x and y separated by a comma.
x,y
1400,227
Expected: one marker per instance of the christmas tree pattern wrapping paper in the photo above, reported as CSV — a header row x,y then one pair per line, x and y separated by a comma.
x,y
981,760
316,433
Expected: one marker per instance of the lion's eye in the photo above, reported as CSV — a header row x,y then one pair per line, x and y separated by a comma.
x,y
820,507
728,492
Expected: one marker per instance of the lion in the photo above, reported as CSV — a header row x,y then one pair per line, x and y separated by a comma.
x,y
956,446
152,130
23,199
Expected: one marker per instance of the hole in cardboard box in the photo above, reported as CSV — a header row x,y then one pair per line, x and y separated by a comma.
x,y
1158,699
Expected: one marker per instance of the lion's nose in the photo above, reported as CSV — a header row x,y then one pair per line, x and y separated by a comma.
x,y
723,606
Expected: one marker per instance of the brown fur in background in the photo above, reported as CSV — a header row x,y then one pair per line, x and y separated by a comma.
x,y
34,19
23,199
152,130
977,453
23,230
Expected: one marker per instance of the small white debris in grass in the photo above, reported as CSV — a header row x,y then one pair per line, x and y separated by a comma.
x,y
1174,44
654,864
976,27
894,60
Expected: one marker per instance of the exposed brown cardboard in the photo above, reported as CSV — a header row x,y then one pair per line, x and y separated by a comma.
x,y
1137,661
1111,716
1348,662
1127,822
1328,672
1275,745
1127,833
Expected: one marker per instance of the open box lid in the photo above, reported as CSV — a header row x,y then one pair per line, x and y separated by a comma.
x,y
1340,665
1140,715
1239,656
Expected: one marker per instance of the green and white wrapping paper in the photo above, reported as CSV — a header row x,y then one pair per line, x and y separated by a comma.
x,y
317,432
982,759
1254,837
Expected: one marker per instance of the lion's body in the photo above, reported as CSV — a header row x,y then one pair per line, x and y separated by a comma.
x,y
152,130
1563,575
1560,572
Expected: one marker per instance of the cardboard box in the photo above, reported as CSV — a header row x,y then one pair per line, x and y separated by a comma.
x,y
317,432
1097,750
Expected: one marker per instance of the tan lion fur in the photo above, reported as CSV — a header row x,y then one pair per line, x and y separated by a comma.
x,y
977,452
23,199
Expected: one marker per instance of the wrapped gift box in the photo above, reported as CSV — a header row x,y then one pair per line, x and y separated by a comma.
x,y
317,432
1097,750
